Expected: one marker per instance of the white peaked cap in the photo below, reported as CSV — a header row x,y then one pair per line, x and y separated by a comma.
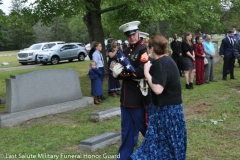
x,y
130,27
143,35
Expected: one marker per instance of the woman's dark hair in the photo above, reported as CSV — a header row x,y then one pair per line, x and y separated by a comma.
x,y
96,44
197,38
159,44
185,38
113,45
92,50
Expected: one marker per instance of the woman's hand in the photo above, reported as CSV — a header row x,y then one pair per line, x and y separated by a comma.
x,y
147,67
193,58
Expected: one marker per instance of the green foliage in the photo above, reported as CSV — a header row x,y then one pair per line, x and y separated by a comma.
x,y
78,30
2,22
230,17
65,18
20,32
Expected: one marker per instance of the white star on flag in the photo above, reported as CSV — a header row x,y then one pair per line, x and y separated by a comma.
x,y
122,58
128,66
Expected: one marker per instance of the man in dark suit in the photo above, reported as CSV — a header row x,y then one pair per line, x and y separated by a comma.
x,y
227,53
177,52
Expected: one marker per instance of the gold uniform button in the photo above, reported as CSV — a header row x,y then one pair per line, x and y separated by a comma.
x,y
137,85
130,50
129,54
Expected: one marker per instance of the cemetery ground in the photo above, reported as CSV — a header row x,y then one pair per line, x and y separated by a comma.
x,y
212,113
10,57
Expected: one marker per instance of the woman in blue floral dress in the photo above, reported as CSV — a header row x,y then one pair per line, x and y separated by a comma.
x,y
166,137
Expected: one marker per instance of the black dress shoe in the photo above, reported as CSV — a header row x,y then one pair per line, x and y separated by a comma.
x,y
224,78
232,78
187,86
191,85
103,98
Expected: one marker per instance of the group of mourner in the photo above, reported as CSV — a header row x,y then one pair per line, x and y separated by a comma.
x,y
150,99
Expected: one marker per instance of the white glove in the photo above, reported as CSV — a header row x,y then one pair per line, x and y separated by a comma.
x,y
117,69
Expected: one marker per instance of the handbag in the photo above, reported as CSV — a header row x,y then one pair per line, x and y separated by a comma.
x,y
205,61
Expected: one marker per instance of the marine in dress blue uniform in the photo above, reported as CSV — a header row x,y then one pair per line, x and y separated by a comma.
x,y
132,101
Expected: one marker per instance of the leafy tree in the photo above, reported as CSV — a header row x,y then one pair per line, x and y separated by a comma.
x,y
165,16
42,32
79,30
230,16
3,32
19,32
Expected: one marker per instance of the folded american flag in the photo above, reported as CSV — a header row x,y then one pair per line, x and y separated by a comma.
x,y
123,60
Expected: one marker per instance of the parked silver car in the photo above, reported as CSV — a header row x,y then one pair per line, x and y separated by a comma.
x,y
29,55
67,51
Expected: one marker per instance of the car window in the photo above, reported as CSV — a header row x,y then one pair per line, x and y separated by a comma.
x,y
35,47
54,48
80,44
66,47
74,46
45,46
51,45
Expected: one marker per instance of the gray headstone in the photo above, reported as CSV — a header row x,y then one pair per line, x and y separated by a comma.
x,y
100,141
41,88
13,119
2,100
5,63
105,114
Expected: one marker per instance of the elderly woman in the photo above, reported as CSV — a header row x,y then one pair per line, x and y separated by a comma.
x,y
166,136
199,61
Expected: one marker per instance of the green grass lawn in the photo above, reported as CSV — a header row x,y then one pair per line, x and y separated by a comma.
x,y
10,57
217,102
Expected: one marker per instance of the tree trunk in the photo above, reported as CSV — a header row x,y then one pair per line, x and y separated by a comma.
x,y
92,19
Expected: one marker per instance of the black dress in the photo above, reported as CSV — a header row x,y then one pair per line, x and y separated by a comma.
x,y
188,63
113,83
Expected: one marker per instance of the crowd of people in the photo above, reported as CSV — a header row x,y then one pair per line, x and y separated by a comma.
x,y
150,101
194,57
151,95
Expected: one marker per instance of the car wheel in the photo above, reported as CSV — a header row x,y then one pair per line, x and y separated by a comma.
x,y
81,57
36,61
24,63
55,60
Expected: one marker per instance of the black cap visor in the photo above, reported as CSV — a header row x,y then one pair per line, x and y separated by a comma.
x,y
131,32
